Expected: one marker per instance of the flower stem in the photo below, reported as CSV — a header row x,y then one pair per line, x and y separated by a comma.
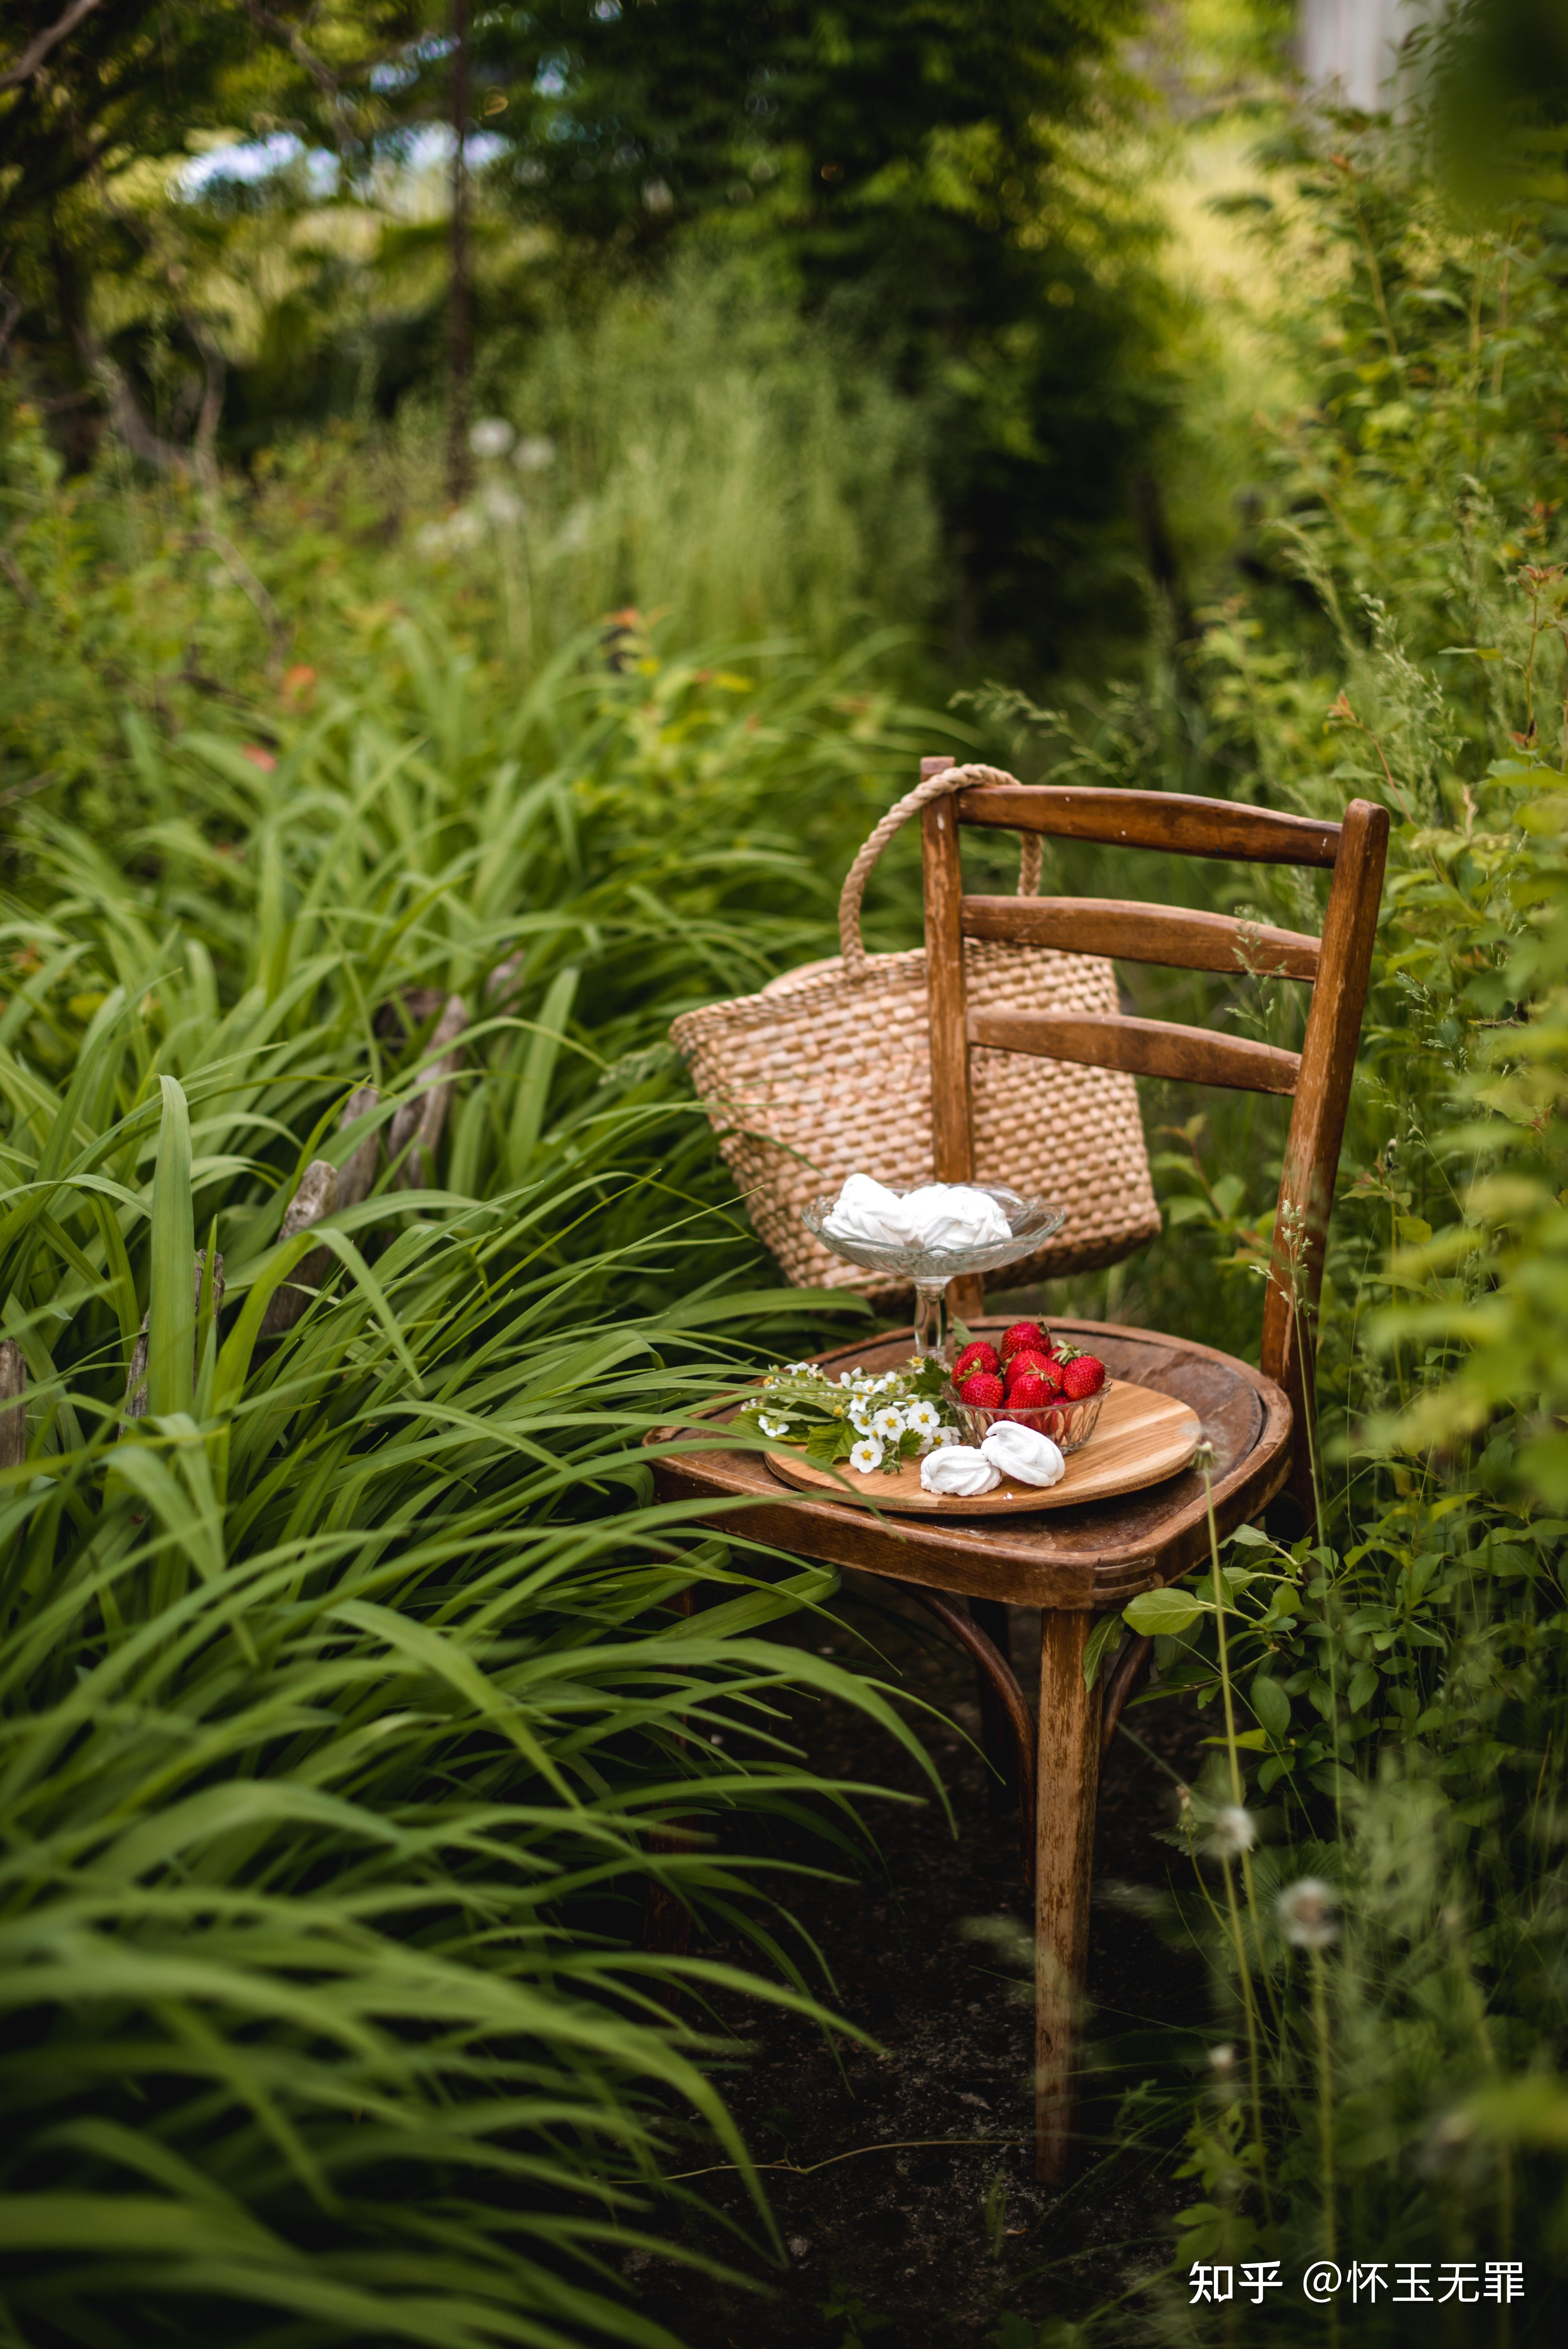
x,y
1243,1966
1324,2094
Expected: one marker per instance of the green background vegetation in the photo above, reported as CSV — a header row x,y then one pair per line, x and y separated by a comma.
x,y
1100,410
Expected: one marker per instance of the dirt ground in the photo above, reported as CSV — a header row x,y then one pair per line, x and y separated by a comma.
x,y
914,2243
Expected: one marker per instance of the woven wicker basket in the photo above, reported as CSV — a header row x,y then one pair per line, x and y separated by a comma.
x,y
828,1072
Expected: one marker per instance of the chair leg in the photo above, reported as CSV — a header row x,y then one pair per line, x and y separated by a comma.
x,y
996,1738
1067,1783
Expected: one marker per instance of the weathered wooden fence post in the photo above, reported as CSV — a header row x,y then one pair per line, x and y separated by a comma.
x,y
136,1384
13,1404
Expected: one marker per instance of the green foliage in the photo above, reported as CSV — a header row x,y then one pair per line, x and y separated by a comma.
x,y
103,105
922,197
909,170
716,458
1371,1857
350,1705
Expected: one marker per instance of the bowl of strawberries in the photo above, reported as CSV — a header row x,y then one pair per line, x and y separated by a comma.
x,y
1042,1383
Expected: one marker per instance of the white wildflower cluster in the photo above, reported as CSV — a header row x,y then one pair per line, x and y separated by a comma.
x,y
496,506
868,1419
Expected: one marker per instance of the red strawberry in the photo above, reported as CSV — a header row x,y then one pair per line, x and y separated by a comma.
x,y
1022,1334
977,1357
1082,1377
1031,1360
1029,1393
983,1388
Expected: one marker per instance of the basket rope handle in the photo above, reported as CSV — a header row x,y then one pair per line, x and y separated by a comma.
x,y
934,787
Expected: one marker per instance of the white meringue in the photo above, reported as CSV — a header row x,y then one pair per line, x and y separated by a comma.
x,y
866,1209
952,1216
942,1216
1013,1450
957,1469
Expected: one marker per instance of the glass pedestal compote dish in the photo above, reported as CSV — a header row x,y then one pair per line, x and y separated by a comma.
x,y
1030,1223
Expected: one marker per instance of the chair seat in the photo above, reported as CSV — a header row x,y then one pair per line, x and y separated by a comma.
x,y
1089,1559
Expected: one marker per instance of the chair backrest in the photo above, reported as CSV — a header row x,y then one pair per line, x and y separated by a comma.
x,y
1336,965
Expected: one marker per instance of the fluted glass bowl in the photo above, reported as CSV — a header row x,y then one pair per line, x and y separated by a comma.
x,y
1030,1223
1069,1425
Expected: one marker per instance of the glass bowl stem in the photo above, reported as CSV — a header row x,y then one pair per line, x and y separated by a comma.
x,y
931,1319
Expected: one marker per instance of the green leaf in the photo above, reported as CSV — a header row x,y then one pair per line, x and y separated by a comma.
x,y
1270,1704
172,1302
533,1085
1169,1612
1363,1686
1107,1630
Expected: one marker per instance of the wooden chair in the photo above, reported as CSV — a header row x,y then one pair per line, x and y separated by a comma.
x,y
1074,1563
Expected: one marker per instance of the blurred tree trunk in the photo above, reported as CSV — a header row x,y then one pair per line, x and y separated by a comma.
x,y
460,309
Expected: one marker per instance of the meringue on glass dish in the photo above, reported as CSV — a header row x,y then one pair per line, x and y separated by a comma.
x,y
930,1233
935,1215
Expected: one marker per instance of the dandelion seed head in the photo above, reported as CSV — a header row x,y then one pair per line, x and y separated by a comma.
x,y
503,506
493,436
1306,1911
1235,1831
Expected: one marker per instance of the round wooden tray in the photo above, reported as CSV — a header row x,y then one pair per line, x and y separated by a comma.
x,y
1141,1438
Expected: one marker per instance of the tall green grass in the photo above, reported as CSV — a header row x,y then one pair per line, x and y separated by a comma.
x,y
348,1705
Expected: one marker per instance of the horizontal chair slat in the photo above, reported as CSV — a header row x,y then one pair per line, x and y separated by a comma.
x,y
1176,935
1168,820
1144,1048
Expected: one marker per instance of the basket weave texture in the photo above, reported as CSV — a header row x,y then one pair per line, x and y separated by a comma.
x,y
827,1072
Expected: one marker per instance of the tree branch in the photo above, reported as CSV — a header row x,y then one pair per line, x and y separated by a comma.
x,y
32,58
294,41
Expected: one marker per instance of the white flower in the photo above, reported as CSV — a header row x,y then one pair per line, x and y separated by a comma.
x,y
849,1379
888,1423
1235,1831
947,1435
1305,1909
922,1418
860,1419
574,531
534,453
772,1426
796,1369
503,506
493,436
866,1455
